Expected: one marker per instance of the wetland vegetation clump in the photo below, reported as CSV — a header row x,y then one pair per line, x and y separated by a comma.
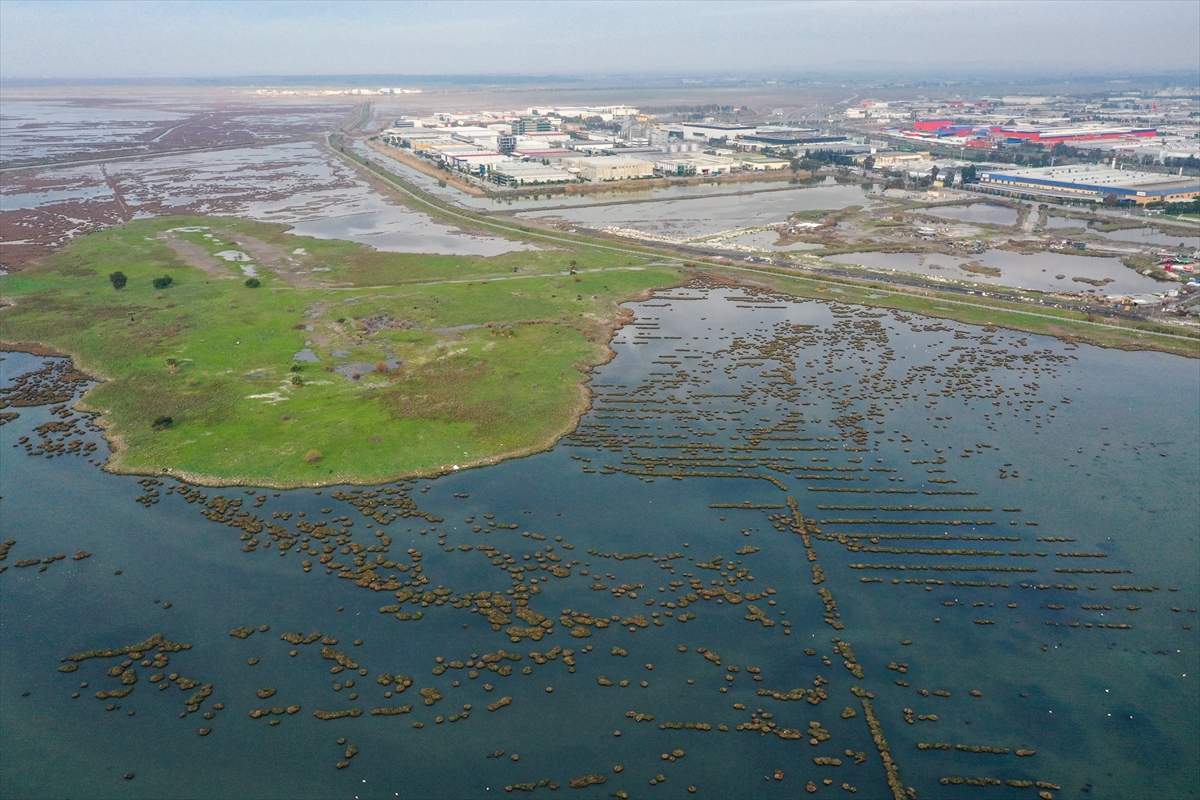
x,y
329,715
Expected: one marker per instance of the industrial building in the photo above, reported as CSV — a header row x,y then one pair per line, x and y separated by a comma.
x,y
609,168
948,131
1091,182
753,162
479,161
694,131
1078,133
531,124
519,173
789,137
688,164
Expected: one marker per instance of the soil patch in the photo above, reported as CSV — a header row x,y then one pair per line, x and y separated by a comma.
x,y
196,256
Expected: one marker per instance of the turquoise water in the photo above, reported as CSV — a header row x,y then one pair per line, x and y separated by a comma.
x,y
1100,446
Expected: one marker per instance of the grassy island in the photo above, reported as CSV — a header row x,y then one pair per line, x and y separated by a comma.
x,y
277,360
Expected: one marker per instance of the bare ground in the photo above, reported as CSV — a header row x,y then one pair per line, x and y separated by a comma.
x,y
196,256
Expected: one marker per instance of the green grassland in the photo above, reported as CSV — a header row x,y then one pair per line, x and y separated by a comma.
x,y
508,383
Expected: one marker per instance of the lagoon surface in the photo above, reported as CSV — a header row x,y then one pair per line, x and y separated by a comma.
x,y
1039,271
990,213
995,529
693,217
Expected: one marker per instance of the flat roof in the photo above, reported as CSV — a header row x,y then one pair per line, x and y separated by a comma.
x,y
1094,175
1098,179
716,126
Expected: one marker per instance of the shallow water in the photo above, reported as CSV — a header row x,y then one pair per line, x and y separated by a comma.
x,y
703,216
397,229
990,213
1065,222
1152,236
1027,271
1146,235
720,383
49,129
296,183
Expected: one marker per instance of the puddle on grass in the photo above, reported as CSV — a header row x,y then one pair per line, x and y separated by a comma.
x,y
306,355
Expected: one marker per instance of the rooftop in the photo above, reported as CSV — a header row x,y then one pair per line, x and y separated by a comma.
x,y
1093,175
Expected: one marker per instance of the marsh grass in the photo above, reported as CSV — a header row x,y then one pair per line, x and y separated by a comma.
x,y
460,397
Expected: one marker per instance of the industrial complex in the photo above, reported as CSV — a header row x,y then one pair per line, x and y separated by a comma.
x,y
1123,150
614,143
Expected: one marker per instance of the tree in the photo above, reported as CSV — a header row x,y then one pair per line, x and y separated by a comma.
x,y
118,279
968,174
869,163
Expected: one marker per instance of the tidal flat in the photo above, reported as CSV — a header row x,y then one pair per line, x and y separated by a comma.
x,y
795,548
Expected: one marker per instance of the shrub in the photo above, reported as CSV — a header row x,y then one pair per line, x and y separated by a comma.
x,y
161,423
163,282
312,456
253,283
119,279
381,367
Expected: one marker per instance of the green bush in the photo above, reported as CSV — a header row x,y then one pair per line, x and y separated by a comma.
x,y
253,283
119,279
163,282
161,423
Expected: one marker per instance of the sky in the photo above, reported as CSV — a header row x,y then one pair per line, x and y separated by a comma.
x,y
67,40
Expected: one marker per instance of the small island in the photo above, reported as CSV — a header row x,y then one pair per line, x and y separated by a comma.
x,y
232,352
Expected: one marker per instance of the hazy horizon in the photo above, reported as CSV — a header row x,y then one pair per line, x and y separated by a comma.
x,y
123,41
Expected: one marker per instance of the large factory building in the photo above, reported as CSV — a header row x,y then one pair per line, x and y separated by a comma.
x,y
1091,182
